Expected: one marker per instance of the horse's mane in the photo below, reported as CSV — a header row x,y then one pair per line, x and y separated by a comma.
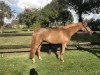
x,y
71,25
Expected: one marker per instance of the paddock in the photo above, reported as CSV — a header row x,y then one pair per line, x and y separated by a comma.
x,y
82,56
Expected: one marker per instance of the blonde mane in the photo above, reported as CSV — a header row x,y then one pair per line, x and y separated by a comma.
x,y
71,25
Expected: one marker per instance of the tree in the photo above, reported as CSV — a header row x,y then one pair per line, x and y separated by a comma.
x,y
54,12
82,6
27,17
95,24
5,11
65,16
49,13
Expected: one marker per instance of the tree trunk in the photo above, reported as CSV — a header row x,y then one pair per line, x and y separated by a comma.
x,y
80,14
1,29
80,17
64,23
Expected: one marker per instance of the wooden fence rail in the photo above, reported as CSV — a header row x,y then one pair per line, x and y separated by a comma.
x,y
4,47
15,34
30,34
46,44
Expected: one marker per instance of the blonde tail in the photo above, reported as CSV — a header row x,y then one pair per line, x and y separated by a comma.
x,y
32,46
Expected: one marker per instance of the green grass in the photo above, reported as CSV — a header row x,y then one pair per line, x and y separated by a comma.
x,y
12,30
76,63
15,40
24,40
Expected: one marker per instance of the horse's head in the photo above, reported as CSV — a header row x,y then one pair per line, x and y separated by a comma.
x,y
86,28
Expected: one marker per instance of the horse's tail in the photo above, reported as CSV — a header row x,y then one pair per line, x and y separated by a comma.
x,y
32,45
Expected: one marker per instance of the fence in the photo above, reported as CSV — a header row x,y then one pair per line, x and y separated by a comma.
x,y
72,46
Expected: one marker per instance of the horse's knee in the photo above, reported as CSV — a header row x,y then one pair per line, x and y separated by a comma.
x,y
62,53
32,53
31,56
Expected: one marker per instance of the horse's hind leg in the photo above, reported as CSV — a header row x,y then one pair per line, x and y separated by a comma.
x,y
38,53
59,52
62,52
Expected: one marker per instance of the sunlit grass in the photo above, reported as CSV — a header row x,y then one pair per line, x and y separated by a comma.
x,y
12,30
18,40
76,63
22,40
15,40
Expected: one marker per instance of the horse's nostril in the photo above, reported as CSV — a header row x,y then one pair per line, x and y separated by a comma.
x,y
91,32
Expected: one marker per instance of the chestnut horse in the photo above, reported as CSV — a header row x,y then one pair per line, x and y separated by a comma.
x,y
55,36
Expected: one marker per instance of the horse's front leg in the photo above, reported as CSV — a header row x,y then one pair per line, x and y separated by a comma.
x,y
59,52
33,51
32,54
38,53
62,52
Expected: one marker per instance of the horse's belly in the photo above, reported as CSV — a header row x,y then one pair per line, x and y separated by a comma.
x,y
57,40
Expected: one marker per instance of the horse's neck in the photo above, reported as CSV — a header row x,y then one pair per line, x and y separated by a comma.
x,y
73,30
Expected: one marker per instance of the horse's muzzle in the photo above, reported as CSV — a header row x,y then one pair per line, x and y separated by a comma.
x,y
91,32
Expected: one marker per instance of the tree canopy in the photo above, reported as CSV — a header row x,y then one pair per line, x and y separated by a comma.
x,y
5,11
27,17
57,11
49,14
82,6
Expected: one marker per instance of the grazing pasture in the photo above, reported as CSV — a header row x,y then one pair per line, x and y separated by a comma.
x,y
76,63
83,60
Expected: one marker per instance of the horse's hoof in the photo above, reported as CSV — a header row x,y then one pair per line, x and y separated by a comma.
x,y
62,61
33,60
58,57
40,58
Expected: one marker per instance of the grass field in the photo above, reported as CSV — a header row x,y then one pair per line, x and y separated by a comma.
x,y
76,63
15,40
84,61
11,30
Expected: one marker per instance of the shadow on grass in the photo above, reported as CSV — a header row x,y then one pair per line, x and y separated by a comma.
x,y
55,48
95,43
51,48
94,51
33,72
13,52
88,38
